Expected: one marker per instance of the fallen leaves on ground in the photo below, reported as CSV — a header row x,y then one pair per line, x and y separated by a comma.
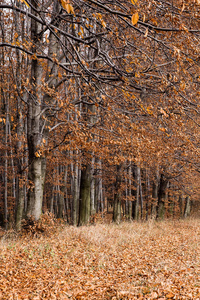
x,y
152,260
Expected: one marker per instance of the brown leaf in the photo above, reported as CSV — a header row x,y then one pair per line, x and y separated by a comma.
x,y
170,295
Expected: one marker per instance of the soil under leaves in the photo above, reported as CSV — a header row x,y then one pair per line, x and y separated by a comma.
x,y
152,260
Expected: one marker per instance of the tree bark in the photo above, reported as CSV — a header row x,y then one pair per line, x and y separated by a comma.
x,y
181,205
187,207
20,199
162,197
36,162
137,193
6,172
84,215
141,194
75,196
93,210
37,121
117,196
155,195
61,188
130,203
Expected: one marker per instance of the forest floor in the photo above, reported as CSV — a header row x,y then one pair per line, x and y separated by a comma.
x,y
151,260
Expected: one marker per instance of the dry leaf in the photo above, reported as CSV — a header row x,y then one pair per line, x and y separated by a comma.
x,y
103,23
69,9
170,295
66,5
162,129
135,18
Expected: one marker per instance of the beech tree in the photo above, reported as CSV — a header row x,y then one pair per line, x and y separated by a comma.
x,y
98,83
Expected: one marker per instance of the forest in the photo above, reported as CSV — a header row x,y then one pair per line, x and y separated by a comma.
x,y
99,110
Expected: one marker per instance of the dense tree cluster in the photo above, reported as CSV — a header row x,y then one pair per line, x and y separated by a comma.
x,y
99,108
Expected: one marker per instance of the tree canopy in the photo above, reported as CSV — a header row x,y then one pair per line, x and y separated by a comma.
x,y
99,106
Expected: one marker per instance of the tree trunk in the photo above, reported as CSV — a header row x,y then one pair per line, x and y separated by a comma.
x,y
117,196
147,195
130,203
6,172
84,215
181,205
187,207
100,188
137,193
76,196
61,188
35,193
20,131
155,195
93,210
36,162
161,197
38,120
141,194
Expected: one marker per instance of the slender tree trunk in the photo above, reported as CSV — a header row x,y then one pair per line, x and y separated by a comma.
x,y
20,181
187,207
154,196
20,205
12,162
20,131
75,207
162,197
6,172
181,205
61,204
61,188
147,196
137,193
51,208
66,194
171,201
100,187
117,196
130,203
93,210
141,195
84,215
126,193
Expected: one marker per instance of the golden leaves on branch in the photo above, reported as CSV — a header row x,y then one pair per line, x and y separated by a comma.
x,y
66,5
103,23
99,17
133,2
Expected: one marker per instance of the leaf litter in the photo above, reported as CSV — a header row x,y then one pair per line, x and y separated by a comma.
x,y
152,260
